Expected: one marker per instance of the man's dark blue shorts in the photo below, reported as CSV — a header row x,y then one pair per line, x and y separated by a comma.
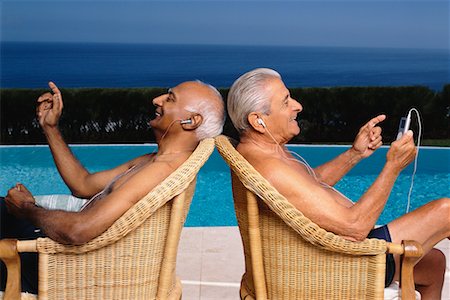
x,y
13,228
382,233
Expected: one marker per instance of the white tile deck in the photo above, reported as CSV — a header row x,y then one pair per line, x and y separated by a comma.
x,y
210,263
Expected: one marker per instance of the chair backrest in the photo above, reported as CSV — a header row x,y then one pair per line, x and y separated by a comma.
x,y
136,257
287,256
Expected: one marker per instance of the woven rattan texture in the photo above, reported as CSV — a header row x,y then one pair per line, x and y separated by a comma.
x,y
125,261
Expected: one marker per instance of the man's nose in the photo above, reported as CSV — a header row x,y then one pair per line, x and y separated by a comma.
x,y
158,100
297,106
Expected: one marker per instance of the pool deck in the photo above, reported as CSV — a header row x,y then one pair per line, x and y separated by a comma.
x,y
210,263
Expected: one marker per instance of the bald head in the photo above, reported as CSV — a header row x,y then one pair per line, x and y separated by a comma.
x,y
204,99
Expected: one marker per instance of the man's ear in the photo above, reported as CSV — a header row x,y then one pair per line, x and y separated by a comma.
x,y
196,121
253,121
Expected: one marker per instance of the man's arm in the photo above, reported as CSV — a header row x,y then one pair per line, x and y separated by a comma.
x,y
324,206
80,227
366,142
81,183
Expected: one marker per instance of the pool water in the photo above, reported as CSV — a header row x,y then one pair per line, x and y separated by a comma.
x,y
212,204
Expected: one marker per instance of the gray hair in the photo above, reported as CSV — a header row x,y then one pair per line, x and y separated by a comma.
x,y
213,112
247,95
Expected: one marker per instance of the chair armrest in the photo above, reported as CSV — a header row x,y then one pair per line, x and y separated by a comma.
x,y
410,252
10,256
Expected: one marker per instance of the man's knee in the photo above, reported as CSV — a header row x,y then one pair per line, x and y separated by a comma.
x,y
437,262
443,205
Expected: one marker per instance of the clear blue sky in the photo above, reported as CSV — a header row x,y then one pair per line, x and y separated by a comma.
x,y
361,23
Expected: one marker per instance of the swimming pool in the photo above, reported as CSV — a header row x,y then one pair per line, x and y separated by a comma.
x,y
212,204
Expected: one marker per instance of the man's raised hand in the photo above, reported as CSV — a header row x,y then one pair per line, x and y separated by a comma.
x,y
49,107
369,137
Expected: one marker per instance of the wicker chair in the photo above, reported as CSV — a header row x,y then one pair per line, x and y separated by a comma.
x,y
287,256
134,259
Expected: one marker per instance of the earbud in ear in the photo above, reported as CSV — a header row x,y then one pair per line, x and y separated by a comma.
x,y
187,121
261,122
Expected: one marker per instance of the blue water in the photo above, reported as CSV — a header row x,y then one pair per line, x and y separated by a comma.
x,y
212,204
32,65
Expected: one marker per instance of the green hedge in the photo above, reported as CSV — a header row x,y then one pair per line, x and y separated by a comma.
x,y
330,115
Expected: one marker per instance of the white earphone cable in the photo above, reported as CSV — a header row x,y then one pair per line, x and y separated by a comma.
x,y
419,121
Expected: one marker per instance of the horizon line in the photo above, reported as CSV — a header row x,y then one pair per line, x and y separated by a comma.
x,y
219,44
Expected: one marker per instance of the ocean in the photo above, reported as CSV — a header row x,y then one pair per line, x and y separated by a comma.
x,y
32,65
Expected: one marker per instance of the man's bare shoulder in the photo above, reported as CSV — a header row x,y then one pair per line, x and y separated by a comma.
x,y
272,166
255,156
155,168
145,158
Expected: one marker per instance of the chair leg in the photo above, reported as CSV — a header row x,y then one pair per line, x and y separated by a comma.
x,y
413,252
11,258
